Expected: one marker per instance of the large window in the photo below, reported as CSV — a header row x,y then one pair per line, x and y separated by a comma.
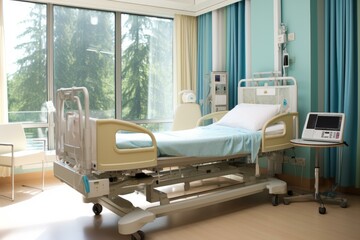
x,y
146,73
84,55
26,54
47,49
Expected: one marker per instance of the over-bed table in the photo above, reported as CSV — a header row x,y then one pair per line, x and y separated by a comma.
x,y
104,160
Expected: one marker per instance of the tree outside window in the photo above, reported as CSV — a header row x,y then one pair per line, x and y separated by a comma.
x,y
83,45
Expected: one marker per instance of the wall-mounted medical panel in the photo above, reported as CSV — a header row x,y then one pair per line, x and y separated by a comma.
x,y
219,92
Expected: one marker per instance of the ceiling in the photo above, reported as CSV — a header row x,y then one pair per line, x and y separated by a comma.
x,y
152,7
192,7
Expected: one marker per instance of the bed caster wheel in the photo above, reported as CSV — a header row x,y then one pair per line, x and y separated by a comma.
x,y
97,208
139,235
286,201
322,210
343,204
275,200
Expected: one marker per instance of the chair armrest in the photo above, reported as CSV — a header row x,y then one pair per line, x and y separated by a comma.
x,y
8,145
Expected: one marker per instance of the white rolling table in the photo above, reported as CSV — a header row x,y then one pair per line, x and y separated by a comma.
x,y
316,196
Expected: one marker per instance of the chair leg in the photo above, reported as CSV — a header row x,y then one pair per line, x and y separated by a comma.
x,y
43,176
42,180
12,176
12,182
12,197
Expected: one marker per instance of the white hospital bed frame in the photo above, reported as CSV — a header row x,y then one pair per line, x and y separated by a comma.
x,y
89,162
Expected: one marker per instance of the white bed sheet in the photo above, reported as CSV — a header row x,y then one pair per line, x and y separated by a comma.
x,y
208,141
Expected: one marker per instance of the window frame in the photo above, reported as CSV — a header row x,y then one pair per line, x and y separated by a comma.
x,y
50,124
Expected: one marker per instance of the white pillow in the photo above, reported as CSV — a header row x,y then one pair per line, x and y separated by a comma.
x,y
249,116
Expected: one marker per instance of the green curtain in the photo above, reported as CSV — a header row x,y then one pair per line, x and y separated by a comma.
x,y
204,64
235,53
341,87
357,181
235,48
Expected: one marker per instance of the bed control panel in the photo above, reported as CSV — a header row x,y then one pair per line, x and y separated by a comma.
x,y
321,126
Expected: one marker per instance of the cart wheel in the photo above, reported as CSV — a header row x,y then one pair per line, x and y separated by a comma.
x,y
322,210
139,235
97,208
343,204
275,200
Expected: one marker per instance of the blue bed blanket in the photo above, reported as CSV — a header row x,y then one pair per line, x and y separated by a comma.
x,y
208,141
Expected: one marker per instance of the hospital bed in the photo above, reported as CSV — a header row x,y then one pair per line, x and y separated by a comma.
x,y
104,161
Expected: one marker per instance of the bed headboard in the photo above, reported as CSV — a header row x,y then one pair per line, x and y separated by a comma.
x,y
272,90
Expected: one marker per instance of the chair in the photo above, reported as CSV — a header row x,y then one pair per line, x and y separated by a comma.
x,y
14,153
186,116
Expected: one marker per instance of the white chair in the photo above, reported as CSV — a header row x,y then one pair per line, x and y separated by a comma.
x,y
14,153
186,116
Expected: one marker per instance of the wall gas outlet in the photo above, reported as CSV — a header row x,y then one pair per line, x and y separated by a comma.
x,y
294,161
299,161
291,37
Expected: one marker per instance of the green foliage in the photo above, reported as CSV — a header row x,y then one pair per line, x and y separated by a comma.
x,y
84,56
27,87
147,85
135,64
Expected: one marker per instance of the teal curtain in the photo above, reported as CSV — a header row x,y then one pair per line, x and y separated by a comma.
x,y
235,48
235,53
341,86
204,64
357,183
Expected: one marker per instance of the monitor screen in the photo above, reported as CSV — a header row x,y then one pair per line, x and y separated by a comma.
x,y
328,123
217,78
311,121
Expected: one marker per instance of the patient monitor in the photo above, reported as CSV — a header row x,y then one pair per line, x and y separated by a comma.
x,y
325,127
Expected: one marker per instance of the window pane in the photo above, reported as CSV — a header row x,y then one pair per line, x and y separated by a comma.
x,y
25,41
147,72
84,54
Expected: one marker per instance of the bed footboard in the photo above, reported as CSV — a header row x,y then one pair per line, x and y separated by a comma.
x,y
280,141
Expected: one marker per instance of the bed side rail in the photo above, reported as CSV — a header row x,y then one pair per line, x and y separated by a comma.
x,y
215,116
108,157
280,141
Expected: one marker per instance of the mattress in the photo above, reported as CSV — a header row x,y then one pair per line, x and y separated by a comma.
x,y
207,141
275,129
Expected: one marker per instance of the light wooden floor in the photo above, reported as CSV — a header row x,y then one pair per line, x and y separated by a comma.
x,y
58,213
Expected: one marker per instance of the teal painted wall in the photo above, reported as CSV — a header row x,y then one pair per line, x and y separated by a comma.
x,y
300,16
296,14
262,36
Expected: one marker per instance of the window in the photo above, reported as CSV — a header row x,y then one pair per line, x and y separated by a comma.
x,y
63,46
84,55
147,72
26,61
26,52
